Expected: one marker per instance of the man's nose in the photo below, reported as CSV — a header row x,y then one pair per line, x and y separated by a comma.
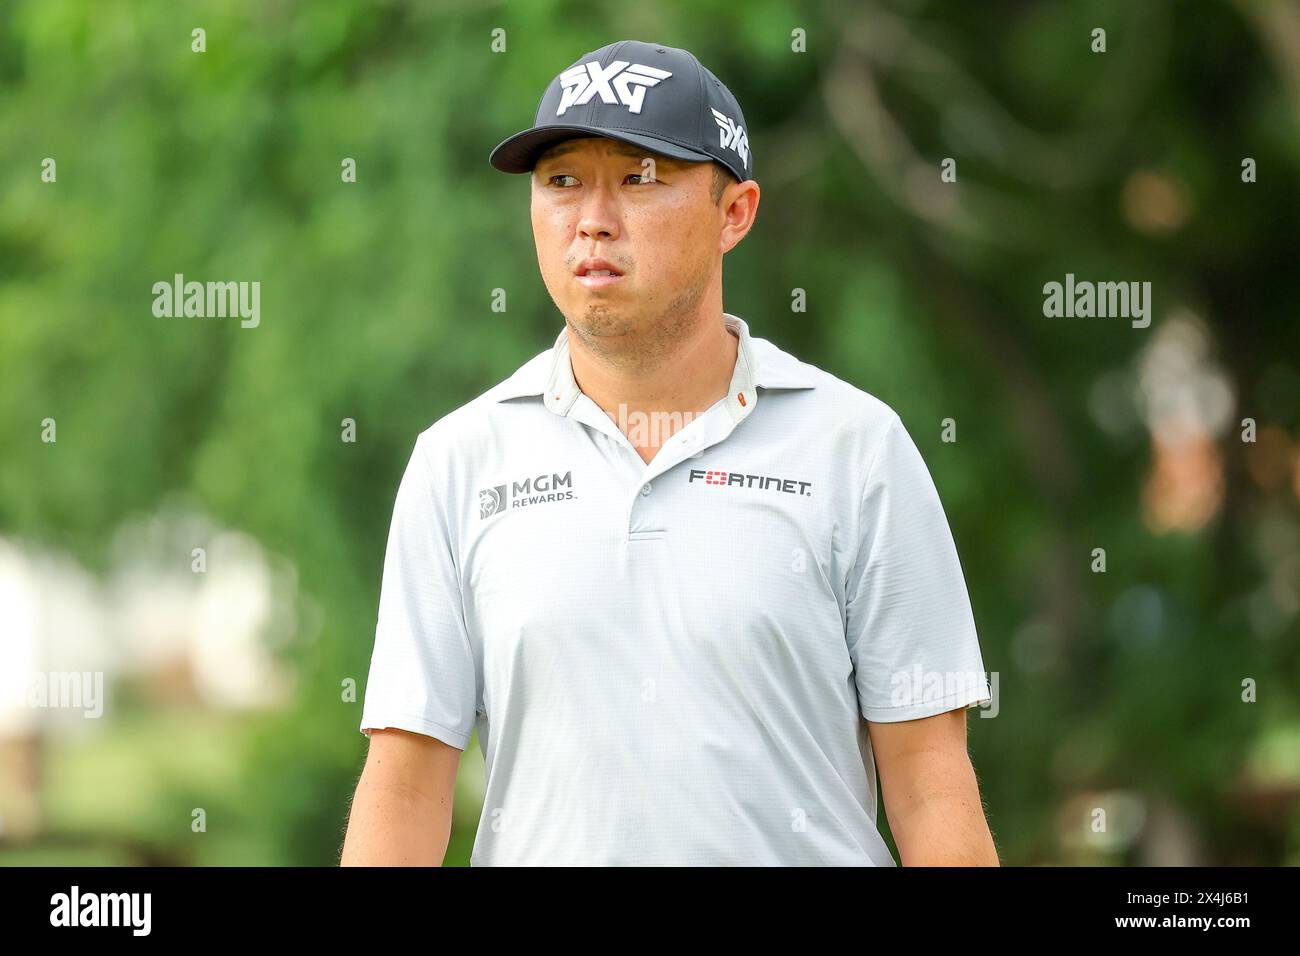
x,y
599,216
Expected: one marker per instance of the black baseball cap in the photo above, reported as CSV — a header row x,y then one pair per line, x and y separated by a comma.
x,y
647,94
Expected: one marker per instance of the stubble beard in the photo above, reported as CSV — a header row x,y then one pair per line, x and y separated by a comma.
x,y
626,336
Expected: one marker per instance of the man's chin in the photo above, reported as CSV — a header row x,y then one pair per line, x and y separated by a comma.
x,y
601,321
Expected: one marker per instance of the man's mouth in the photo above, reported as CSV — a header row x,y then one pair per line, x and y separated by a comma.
x,y
597,273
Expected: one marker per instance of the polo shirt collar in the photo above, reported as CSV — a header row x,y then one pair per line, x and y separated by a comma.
x,y
759,364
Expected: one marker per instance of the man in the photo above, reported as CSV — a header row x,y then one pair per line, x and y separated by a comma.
x,y
692,591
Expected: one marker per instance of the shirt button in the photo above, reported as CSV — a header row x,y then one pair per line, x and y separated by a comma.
x,y
645,489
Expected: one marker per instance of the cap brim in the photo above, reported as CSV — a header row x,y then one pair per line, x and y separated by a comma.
x,y
519,153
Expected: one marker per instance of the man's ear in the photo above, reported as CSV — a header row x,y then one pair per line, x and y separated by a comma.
x,y
739,205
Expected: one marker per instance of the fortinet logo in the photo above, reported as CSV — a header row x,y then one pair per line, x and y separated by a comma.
x,y
620,82
734,479
732,136
521,494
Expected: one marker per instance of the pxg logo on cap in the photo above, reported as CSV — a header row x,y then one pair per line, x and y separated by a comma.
x,y
656,97
585,80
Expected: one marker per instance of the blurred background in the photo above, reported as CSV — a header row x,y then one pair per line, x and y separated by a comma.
x,y
192,533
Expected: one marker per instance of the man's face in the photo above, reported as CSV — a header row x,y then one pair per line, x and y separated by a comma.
x,y
657,226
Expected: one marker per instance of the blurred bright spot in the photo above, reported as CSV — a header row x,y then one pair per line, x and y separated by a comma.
x,y
1138,616
207,634
71,647
1185,486
1186,401
927,193
1270,459
1273,605
1110,402
1101,824
1155,203
51,620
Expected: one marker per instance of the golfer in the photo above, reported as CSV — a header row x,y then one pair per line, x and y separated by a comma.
x,y
695,595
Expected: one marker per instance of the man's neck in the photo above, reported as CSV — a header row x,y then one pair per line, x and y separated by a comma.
x,y
650,403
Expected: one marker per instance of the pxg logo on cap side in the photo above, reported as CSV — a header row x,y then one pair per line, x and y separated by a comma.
x,y
585,80
732,136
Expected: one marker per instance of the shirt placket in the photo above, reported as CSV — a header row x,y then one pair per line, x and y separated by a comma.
x,y
689,442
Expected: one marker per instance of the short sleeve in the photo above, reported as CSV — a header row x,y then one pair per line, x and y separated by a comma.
x,y
909,625
422,670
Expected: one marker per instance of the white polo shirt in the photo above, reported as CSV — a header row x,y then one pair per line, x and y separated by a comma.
x,y
669,663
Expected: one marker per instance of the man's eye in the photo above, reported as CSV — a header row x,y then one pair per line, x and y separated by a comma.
x,y
553,179
641,178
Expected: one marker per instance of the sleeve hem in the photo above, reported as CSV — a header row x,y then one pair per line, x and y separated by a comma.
x,y
927,708
417,725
